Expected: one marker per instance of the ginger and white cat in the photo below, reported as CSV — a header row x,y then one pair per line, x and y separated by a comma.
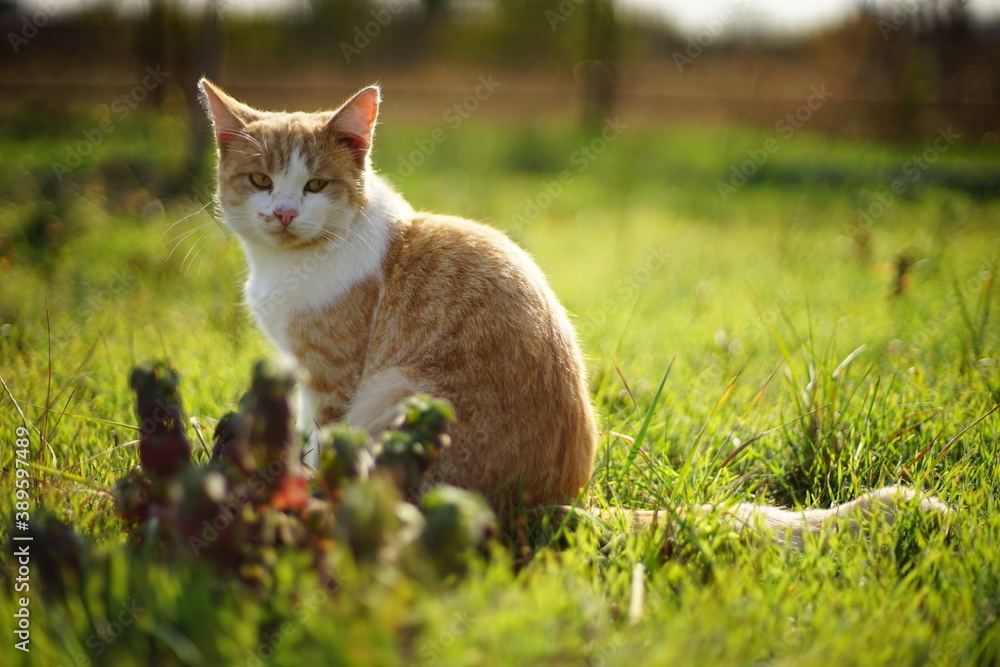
x,y
376,302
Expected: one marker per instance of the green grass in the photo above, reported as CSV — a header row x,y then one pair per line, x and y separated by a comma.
x,y
754,304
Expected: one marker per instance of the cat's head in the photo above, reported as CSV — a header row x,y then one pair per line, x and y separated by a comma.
x,y
291,180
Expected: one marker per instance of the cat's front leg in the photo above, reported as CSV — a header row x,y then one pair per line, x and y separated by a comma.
x,y
316,410
308,430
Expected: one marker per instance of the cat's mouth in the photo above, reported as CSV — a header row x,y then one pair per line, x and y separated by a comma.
x,y
286,238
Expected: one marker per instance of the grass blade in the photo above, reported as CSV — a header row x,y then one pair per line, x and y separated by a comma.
x,y
640,437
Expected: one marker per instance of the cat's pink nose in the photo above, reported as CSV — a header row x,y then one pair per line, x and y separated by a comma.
x,y
286,215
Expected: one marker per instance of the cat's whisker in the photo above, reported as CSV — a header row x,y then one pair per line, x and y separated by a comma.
x,y
180,239
184,219
193,252
219,225
248,153
350,241
183,235
357,234
363,240
331,235
246,136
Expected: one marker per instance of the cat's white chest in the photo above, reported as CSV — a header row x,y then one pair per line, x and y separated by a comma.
x,y
273,305
285,285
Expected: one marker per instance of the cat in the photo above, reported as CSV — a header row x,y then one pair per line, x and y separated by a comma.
x,y
377,302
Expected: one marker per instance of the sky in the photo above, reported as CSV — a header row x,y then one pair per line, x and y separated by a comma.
x,y
691,16
781,16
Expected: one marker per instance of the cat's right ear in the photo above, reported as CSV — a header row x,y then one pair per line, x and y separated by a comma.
x,y
355,121
229,117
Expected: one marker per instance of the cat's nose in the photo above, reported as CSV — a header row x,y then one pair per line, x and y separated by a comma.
x,y
286,215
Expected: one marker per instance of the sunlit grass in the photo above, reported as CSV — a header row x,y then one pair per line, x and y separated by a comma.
x,y
766,309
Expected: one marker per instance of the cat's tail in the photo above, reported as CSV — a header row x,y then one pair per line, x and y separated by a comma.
x,y
789,527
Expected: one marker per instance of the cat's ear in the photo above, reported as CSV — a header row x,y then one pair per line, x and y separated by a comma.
x,y
229,117
355,121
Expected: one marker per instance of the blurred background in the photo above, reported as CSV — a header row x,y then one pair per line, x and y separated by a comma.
x,y
893,71
637,148
884,71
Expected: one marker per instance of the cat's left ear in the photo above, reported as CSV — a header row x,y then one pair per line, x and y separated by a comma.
x,y
355,121
229,117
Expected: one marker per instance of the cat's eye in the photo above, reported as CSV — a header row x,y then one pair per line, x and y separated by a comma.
x,y
315,185
262,181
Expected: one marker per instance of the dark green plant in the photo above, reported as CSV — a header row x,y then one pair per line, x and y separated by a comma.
x,y
254,499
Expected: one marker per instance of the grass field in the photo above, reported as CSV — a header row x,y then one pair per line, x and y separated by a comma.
x,y
841,292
